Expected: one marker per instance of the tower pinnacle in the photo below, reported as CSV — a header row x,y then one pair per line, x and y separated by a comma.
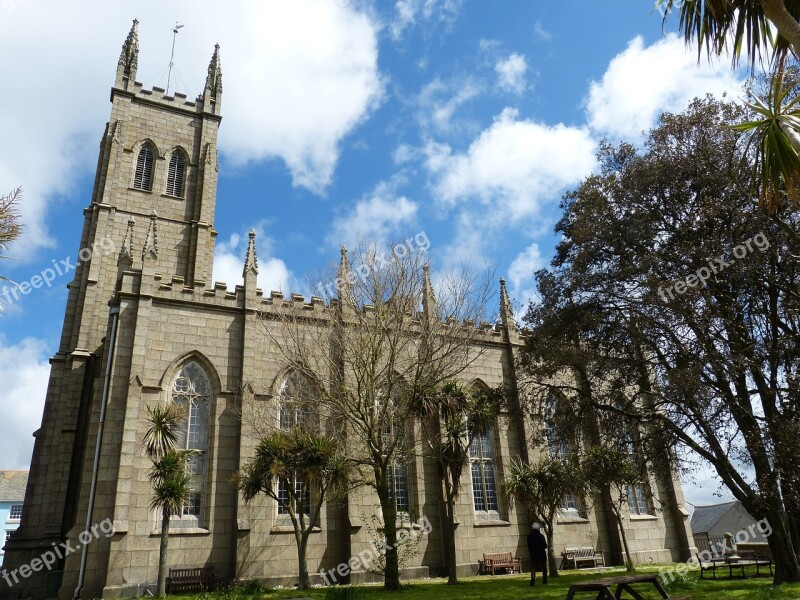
x,y
128,58
126,252
212,95
251,260
150,248
343,282
428,295
506,310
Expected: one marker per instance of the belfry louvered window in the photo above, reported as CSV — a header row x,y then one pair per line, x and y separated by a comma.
x,y
143,177
175,175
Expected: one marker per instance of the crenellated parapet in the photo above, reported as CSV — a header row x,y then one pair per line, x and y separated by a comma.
x,y
172,101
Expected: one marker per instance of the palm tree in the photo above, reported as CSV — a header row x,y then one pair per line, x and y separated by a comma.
x,y
451,419
736,25
719,25
540,487
310,467
608,470
168,476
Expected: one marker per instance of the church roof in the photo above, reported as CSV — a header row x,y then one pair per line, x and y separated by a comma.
x,y
12,485
705,517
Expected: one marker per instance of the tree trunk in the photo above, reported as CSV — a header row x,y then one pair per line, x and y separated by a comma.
x,y
302,563
787,569
450,542
391,574
628,560
162,554
779,15
551,554
391,577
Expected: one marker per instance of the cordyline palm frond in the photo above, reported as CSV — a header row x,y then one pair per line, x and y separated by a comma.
x,y
171,482
738,26
752,27
165,423
519,481
774,134
301,452
9,223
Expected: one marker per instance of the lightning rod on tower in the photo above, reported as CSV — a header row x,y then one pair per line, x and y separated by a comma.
x,y
172,54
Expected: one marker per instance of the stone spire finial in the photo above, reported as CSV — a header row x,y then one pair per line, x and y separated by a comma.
x,y
251,260
506,310
126,252
129,57
213,87
150,249
428,295
343,285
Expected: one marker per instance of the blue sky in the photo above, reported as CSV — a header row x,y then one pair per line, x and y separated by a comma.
x,y
342,119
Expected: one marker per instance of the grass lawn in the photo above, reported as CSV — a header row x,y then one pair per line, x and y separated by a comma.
x,y
508,587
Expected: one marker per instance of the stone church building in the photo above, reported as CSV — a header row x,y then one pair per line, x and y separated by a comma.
x,y
147,324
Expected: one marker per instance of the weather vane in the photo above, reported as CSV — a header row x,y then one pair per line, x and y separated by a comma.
x,y
172,54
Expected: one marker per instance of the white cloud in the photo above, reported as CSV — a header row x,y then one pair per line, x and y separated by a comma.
x,y
299,76
515,166
439,100
377,216
411,12
642,82
511,73
540,32
520,273
24,371
273,274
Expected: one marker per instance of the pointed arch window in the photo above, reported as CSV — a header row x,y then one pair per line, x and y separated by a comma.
x,y
393,436
295,401
638,494
143,175
191,388
482,467
559,449
176,174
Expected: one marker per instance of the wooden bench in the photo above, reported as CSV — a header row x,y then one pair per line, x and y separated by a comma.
x,y
200,579
501,560
582,554
735,560
748,558
711,564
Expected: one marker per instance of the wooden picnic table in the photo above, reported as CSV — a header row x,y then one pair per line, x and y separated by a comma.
x,y
620,584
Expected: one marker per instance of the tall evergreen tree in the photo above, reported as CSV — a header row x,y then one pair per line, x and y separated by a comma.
x,y
672,302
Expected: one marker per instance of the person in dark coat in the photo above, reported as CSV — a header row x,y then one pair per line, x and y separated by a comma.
x,y
537,548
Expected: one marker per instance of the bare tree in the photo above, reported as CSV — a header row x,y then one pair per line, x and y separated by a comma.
x,y
386,342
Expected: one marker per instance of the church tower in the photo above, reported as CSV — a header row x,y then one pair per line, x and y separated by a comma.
x,y
152,211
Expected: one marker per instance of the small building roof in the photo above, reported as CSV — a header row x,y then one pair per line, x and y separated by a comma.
x,y
12,485
705,517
